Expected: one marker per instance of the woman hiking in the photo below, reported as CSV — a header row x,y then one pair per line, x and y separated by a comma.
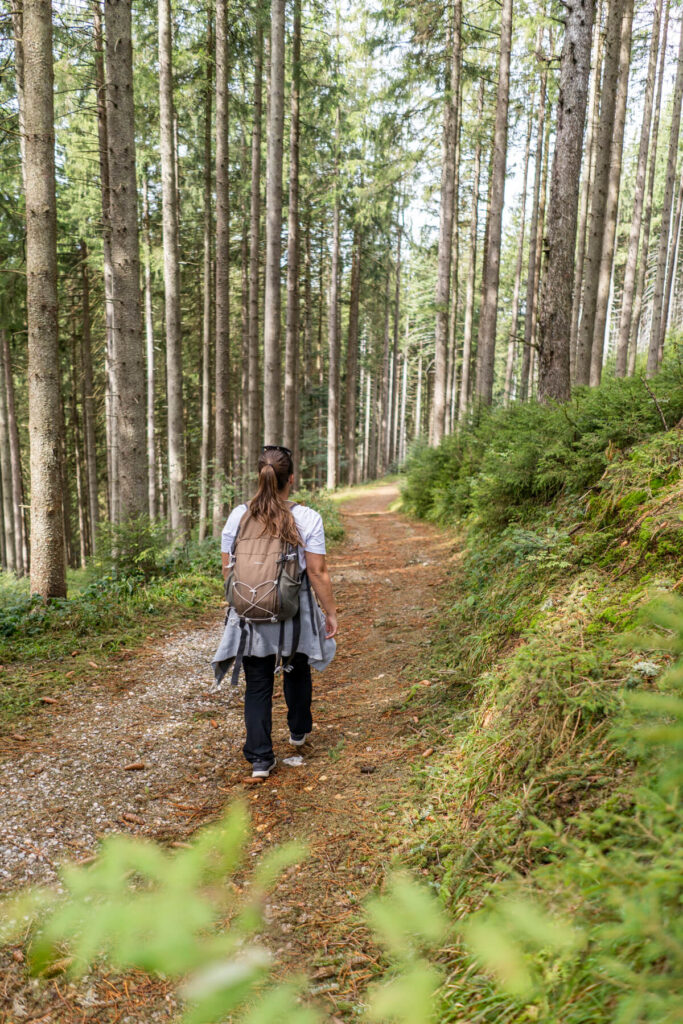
x,y
273,553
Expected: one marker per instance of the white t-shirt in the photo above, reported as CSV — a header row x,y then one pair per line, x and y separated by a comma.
x,y
309,526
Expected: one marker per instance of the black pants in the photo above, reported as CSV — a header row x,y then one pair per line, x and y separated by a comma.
x,y
258,703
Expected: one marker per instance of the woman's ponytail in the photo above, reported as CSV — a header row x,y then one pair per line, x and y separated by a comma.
x,y
274,470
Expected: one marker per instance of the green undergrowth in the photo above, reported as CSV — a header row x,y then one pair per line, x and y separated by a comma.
x,y
549,826
512,460
113,605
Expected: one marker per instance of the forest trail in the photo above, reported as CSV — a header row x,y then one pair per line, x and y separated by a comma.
x,y
69,785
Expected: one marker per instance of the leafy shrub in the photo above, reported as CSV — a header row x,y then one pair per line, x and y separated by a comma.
x,y
512,459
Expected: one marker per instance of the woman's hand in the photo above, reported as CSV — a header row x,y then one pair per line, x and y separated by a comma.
x,y
330,626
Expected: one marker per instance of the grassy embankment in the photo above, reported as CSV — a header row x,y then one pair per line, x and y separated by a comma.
x,y
550,810
111,609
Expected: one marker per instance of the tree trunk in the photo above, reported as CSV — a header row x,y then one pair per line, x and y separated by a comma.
x,y
207,296
471,274
291,410
394,355
12,542
223,422
48,575
18,30
272,398
174,363
352,358
536,219
586,189
149,354
612,202
383,396
554,322
88,402
20,530
672,263
254,235
78,451
443,279
452,361
600,189
109,309
128,362
512,338
333,335
647,214
486,344
638,200
658,321
244,311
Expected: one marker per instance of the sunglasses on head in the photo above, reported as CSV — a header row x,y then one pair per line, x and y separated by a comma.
x,y
277,448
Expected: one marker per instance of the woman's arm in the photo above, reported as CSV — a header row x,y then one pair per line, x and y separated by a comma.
x,y
225,555
316,567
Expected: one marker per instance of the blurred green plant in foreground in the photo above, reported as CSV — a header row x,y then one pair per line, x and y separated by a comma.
x,y
182,914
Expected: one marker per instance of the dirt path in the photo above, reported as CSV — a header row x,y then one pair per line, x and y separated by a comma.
x,y
69,785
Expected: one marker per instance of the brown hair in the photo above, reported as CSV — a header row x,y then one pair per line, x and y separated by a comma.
x,y
274,470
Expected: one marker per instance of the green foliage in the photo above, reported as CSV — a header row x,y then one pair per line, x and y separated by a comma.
x,y
595,932
322,503
555,808
513,459
184,914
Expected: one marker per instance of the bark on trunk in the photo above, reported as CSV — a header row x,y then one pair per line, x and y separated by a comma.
x,y
20,530
514,314
391,455
128,363
174,361
206,285
88,402
586,189
272,397
291,410
638,200
612,203
18,30
658,321
352,358
48,569
223,421
605,134
452,382
333,335
78,450
254,235
11,546
647,214
446,229
149,355
672,263
486,344
554,323
531,284
103,145
471,274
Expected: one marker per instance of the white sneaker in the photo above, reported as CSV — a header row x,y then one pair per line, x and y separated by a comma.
x,y
261,769
298,741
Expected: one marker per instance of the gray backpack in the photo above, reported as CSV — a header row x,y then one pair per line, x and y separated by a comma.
x,y
263,585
